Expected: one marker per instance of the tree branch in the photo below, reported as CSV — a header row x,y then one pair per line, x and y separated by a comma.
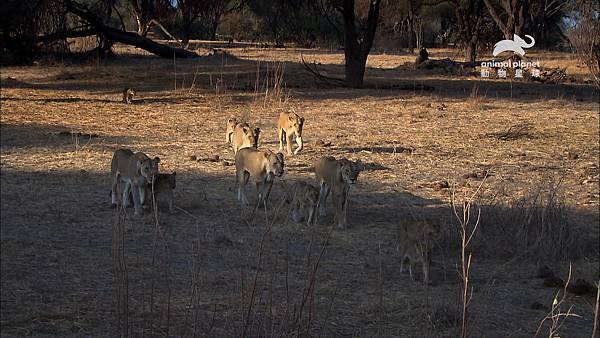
x,y
495,16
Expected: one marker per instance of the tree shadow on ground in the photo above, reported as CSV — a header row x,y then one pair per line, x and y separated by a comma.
x,y
57,243
18,136
224,71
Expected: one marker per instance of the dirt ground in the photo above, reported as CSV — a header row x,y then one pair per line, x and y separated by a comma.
x,y
72,265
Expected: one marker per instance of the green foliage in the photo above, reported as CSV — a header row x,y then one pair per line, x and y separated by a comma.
x,y
301,21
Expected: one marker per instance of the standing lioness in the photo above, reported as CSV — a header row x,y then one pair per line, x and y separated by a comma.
x,y
288,126
135,170
244,137
262,166
336,176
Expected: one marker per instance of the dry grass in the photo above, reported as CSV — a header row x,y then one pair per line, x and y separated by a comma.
x,y
57,223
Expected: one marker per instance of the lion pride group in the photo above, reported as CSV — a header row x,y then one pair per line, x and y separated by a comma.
x,y
140,176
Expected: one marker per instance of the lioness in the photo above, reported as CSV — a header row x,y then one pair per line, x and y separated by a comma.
x,y
244,137
336,176
135,170
262,166
303,198
231,123
415,241
288,126
128,94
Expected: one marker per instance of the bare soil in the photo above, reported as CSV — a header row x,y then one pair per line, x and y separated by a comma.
x,y
209,271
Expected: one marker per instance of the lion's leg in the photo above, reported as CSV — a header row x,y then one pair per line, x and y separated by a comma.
x,y
338,201
323,194
311,216
142,190
410,268
289,139
136,201
344,204
170,200
280,136
242,181
126,191
114,199
300,144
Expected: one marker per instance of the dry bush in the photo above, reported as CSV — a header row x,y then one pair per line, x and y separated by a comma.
x,y
536,224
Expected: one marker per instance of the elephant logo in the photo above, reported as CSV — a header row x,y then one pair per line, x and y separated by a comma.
x,y
515,45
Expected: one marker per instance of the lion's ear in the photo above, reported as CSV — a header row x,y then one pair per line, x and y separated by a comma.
x,y
279,156
291,117
257,130
302,120
157,159
267,153
360,165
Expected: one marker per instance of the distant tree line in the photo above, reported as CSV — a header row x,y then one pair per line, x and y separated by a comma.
x,y
30,27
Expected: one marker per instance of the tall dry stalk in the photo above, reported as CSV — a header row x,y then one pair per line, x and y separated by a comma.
x,y
467,229
120,272
556,316
596,311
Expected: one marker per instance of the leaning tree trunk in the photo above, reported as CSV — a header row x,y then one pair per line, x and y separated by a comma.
x,y
127,38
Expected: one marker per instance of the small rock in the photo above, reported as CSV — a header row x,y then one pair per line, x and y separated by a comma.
x,y
222,239
439,185
193,158
544,272
538,306
572,156
322,143
553,281
580,287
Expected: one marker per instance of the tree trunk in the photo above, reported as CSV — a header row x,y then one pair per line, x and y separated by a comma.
x,y
356,51
355,69
470,52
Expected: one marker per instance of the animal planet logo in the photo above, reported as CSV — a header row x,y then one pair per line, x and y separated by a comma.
x,y
515,45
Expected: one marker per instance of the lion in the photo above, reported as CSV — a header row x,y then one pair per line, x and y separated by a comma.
x,y
303,198
415,240
128,94
288,126
336,176
244,137
135,170
164,184
262,166
231,123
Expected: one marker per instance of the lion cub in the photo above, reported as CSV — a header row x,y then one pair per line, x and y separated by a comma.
x,y
336,176
303,198
231,123
128,94
244,137
288,126
164,184
415,239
